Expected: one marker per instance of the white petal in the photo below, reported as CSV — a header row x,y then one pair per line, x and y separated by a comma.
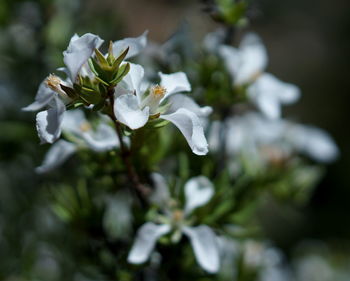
x,y
132,81
80,49
247,61
145,241
269,106
160,194
135,44
205,247
57,154
191,127
314,142
42,98
128,112
268,93
174,83
48,122
198,191
214,39
253,58
183,101
231,59
215,136
72,121
103,139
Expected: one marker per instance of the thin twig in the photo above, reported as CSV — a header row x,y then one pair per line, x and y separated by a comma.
x,y
126,154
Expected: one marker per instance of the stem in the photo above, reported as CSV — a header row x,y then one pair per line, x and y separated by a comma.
x,y
141,190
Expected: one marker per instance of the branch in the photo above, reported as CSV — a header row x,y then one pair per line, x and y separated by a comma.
x,y
140,188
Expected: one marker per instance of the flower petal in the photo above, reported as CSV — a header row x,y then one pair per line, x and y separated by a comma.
x,y
247,61
128,112
160,194
231,58
198,191
174,83
183,101
42,98
79,50
204,244
135,44
73,120
314,142
57,154
268,93
103,139
48,122
132,81
191,127
145,241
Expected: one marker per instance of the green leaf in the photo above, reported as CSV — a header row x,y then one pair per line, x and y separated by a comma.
x,y
119,60
123,70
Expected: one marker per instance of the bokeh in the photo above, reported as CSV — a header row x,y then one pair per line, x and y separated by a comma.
x,y
308,45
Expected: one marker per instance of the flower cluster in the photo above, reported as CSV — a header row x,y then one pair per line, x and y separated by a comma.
x,y
108,101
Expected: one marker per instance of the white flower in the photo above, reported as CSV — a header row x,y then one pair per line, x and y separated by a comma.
x,y
82,135
314,142
247,66
134,105
50,94
262,139
75,57
198,191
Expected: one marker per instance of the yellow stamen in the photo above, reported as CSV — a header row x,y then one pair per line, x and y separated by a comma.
x,y
158,91
84,127
53,82
178,215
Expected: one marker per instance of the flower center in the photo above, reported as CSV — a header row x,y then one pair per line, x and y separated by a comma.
x,y
84,127
53,82
178,215
158,91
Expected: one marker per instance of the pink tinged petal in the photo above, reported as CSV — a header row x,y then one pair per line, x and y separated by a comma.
x,y
198,192
204,244
191,127
80,49
56,156
174,83
160,194
135,44
103,139
145,241
42,98
48,122
128,112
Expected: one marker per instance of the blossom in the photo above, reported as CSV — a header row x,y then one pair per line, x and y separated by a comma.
x,y
247,65
198,191
81,135
261,139
136,102
50,93
75,57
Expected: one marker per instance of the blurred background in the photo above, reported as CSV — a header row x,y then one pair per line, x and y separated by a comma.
x,y
308,45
